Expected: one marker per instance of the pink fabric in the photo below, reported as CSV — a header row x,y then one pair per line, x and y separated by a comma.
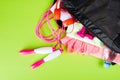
x,y
70,45
84,32
87,49
100,54
78,46
117,59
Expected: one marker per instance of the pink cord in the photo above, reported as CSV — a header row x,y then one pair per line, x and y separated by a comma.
x,y
56,34
44,38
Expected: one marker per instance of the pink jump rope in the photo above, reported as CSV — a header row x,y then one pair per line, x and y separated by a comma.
x,y
54,37
59,14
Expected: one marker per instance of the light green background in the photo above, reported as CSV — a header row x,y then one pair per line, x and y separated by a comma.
x,y
18,20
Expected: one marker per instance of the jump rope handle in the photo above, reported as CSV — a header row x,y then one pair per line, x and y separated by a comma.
x,y
42,50
51,56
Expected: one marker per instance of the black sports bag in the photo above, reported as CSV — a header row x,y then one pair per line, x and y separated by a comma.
x,y
101,17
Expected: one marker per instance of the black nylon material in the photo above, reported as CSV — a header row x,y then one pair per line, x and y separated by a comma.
x,y
101,17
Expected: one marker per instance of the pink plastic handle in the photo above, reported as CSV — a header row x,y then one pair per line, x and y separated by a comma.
x,y
26,51
37,64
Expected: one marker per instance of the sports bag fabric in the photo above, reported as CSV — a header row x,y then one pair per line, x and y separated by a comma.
x,y
101,17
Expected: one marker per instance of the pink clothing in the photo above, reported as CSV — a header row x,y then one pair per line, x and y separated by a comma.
x,y
100,54
78,46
